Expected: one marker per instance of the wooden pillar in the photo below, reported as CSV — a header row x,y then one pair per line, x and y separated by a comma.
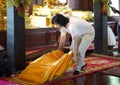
x,y
15,39
118,29
100,24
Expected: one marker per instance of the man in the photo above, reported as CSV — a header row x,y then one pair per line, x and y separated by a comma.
x,y
82,33
111,40
118,26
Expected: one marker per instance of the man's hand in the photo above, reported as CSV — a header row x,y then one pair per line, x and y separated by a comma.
x,y
74,59
113,9
56,44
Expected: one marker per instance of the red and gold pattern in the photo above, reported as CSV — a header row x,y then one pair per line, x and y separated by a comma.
x,y
95,63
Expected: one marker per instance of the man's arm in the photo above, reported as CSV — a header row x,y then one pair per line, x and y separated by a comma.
x,y
62,42
62,38
75,49
115,10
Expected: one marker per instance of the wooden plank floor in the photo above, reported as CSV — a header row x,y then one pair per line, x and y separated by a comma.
x,y
94,79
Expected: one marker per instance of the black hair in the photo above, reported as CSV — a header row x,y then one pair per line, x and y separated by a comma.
x,y
60,19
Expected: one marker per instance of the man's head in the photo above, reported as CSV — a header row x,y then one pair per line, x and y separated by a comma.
x,y
59,20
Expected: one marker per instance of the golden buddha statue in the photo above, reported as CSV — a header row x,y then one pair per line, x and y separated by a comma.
x,y
43,12
52,3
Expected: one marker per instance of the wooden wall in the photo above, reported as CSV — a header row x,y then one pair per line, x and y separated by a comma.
x,y
81,4
35,38
43,37
38,38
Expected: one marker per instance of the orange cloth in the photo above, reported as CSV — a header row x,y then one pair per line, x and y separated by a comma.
x,y
47,67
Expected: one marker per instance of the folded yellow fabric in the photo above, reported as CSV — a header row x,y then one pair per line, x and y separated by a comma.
x,y
47,67
62,65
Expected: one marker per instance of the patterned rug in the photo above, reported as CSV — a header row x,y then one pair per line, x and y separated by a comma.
x,y
95,63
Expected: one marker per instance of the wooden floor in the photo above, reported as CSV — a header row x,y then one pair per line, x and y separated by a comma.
x,y
94,79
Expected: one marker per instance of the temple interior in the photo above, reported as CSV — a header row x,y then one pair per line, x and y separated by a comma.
x,y
27,33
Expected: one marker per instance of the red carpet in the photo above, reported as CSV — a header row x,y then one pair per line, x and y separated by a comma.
x,y
95,63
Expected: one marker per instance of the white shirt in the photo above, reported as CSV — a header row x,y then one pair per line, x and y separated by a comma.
x,y
111,37
77,26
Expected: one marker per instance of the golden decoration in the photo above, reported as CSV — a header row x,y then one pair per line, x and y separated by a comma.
x,y
20,5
